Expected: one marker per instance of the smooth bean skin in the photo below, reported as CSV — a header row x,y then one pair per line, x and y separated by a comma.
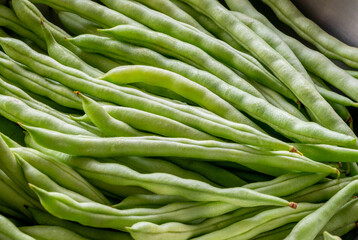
x,y
65,56
45,218
305,230
9,20
9,231
307,29
31,16
262,222
139,146
184,87
259,109
44,232
148,200
308,95
188,53
107,124
76,24
313,61
60,173
218,49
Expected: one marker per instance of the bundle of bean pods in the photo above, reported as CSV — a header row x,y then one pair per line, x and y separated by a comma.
x,y
174,119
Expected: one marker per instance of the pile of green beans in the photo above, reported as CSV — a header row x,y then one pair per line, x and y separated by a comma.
x,y
173,119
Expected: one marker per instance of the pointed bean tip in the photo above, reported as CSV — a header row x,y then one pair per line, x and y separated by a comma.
x,y
294,150
293,205
78,93
338,173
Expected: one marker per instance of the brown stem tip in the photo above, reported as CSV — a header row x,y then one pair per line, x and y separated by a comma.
x,y
77,93
293,205
294,150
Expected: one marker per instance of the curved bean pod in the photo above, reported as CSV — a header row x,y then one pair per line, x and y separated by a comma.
x,y
308,95
148,200
107,124
9,142
50,233
44,218
76,24
312,60
9,20
65,56
183,51
9,231
102,147
258,108
250,227
60,173
307,29
320,217
220,50
31,16
175,82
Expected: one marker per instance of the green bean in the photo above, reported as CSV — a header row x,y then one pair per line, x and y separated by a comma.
x,y
13,197
284,71
222,51
139,146
97,215
216,174
9,142
278,233
34,176
92,233
328,236
170,9
278,101
183,86
107,124
116,191
31,16
313,61
274,41
17,111
148,200
307,29
262,222
37,84
76,24
43,232
9,20
120,95
60,173
150,165
186,52
331,96
310,226
65,56
11,90
149,122
352,73
321,192
208,24
179,231
268,114
327,153
8,231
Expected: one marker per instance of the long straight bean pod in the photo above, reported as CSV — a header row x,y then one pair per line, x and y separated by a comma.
x,y
44,218
157,146
311,225
299,85
258,108
313,61
186,52
45,232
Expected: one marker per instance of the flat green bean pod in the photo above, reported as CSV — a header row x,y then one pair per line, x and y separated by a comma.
x,y
8,231
44,232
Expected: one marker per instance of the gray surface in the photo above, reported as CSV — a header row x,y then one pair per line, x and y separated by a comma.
x,y
338,17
